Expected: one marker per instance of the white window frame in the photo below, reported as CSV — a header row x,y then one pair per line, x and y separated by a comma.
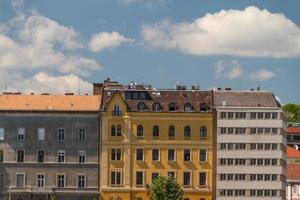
x,y
175,155
121,154
143,155
191,156
24,181
121,178
206,156
85,179
58,154
65,179
191,178
82,153
37,180
158,160
37,155
79,134
41,132
58,134
20,133
135,178
23,155
206,179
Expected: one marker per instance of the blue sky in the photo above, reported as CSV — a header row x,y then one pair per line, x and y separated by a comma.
x,y
52,45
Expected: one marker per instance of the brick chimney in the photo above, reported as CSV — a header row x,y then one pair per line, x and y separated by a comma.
x,y
97,88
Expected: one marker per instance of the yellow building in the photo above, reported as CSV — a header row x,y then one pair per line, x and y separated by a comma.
x,y
146,133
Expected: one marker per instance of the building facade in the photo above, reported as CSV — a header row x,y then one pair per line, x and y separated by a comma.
x,y
251,146
49,147
146,133
293,136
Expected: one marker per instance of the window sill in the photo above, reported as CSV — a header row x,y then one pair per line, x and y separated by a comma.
x,y
155,161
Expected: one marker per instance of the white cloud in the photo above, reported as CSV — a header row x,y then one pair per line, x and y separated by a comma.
x,y
43,82
105,40
251,32
17,5
262,75
144,2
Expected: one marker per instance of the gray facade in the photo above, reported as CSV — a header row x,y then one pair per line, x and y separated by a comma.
x,y
57,156
251,146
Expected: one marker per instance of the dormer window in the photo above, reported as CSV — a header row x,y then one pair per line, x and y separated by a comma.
x,y
141,106
172,107
156,107
187,107
116,111
203,107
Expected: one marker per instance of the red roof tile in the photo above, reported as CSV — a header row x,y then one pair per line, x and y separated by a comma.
x,y
293,171
294,130
292,153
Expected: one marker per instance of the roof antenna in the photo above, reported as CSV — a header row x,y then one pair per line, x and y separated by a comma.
x,y
78,85
5,87
258,88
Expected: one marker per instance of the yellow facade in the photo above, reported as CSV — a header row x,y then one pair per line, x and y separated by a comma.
x,y
128,142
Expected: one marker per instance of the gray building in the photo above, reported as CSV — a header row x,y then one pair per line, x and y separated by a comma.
x,y
251,146
49,147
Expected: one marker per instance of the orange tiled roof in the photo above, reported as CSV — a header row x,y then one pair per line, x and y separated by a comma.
x,y
294,130
17,102
293,171
292,153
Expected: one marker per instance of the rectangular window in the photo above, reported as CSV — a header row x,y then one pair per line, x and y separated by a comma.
x,y
252,130
230,161
20,155
2,180
139,154
202,155
21,134
187,155
223,130
186,179
267,115
260,161
172,174
267,161
252,146
223,146
260,115
253,115
1,155
41,134
82,156
139,178
61,134
171,155
2,133
61,156
81,181
60,180
202,179
230,146
20,180
41,180
274,115
115,178
116,154
155,154
154,176
274,161
223,115
267,146
230,115
41,156
274,177
274,131
260,146
82,134
230,130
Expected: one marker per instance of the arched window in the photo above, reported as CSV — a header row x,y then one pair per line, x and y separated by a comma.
x,y
187,131
119,130
172,107
156,107
140,131
187,107
116,111
203,131
155,131
171,131
203,107
141,106
113,130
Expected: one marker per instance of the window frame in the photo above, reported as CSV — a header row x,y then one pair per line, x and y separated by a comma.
x,y
16,179
64,180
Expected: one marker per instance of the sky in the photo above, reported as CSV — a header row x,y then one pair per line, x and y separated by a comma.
x,y
60,46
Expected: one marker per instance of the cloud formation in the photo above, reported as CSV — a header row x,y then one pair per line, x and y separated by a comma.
x,y
106,40
262,75
251,32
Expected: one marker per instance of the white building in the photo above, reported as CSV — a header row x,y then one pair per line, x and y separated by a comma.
x,y
251,146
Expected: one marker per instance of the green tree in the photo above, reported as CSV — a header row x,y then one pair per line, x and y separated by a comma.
x,y
292,112
166,188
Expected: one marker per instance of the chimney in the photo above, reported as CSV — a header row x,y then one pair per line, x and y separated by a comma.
x,y
69,93
97,88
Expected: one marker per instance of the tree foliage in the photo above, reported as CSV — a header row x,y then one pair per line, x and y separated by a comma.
x,y
166,188
292,112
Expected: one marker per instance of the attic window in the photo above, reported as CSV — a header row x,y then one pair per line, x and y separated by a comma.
x,y
172,107
141,106
203,107
187,107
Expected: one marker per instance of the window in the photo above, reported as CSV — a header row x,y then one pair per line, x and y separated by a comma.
x,y
119,130
230,130
82,134
203,131
155,154
267,146
154,176
202,179
223,115
115,178
140,131
172,174
252,130
116,111
155,131
2,133
274,161
41,156
20,180
1,155
171,131
141,106
240,115
156,107
41,134
139,154
186,178
274,131
267,161
20,155
139,178
21,133
2,180
187,107
60,180
203,107
82,156
41,180
260,115
223,130
230,115
230,161
81,181
187,155
61,134
253,115
223,146
171,155
113,130
253,146
115,154
187,131
61,156
172,107
274,115
267,115
274,146
202,155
